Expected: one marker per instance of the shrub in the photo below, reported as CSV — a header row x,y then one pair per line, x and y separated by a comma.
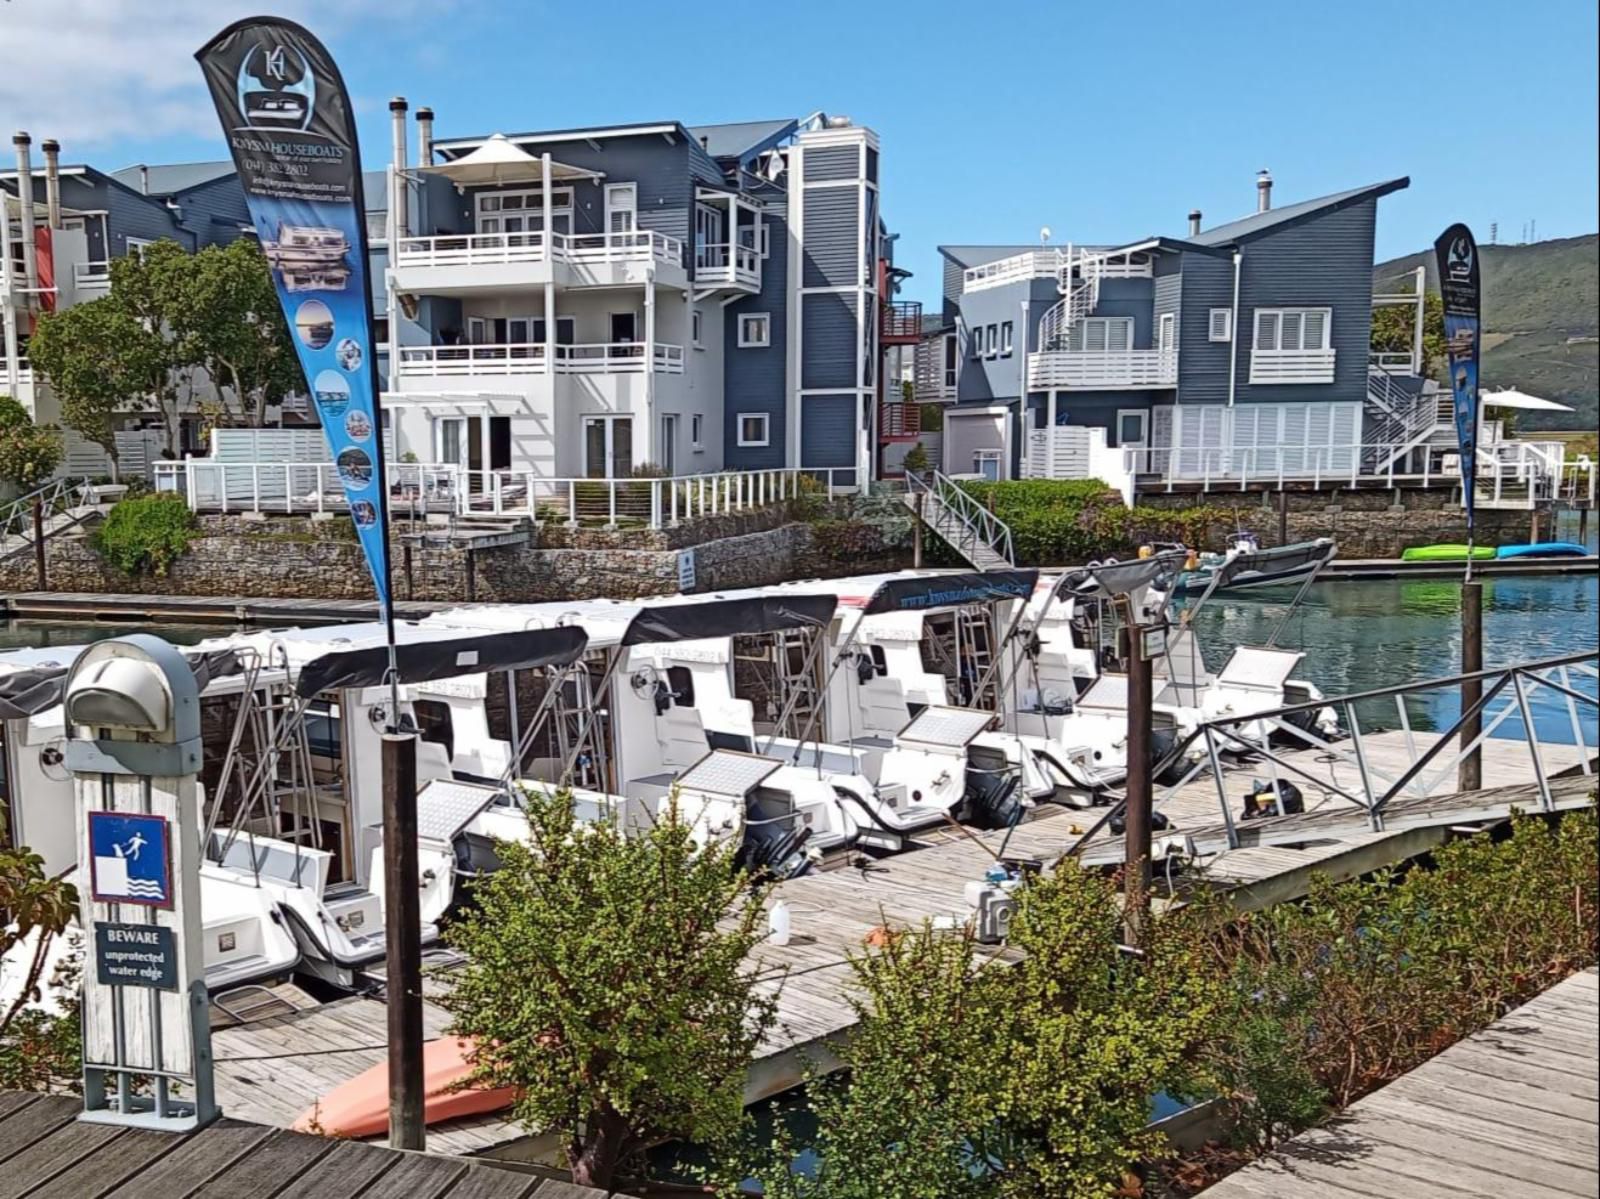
x,y
146,534
1063,521
29,453
916,460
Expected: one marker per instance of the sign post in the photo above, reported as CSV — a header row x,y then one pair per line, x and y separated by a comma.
x,y
133,718
1456,254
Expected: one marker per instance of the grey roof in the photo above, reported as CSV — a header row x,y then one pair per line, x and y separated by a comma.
x,y
1258,223
743,138
168,179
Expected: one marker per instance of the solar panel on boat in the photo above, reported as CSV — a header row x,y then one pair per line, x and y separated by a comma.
x,y
1109,691
1252,667
727,772
445,807
946,726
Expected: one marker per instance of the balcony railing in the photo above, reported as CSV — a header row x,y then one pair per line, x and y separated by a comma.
x,y
1034,264
1291,366
1064,370
578,249
719,262
91,276
901,322
24,371
528,358
899,421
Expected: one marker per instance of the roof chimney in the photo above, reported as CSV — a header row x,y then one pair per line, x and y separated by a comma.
x,y
1263,190
30,263
52,181
705,142
424,137
1194,222
397,164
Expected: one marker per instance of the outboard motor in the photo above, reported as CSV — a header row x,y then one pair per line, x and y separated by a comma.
x,y
1266,798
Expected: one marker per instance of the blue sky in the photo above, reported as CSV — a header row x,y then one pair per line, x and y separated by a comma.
x,y
1103,122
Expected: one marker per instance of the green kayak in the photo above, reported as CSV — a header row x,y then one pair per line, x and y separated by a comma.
x,y
1445,553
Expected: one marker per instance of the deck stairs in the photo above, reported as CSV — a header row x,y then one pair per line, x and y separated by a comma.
x,y
67,504
1399,421
969,528
1080,292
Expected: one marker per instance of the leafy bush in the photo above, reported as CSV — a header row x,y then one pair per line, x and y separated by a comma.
x,y
29,453
916,460
1065,521
146,534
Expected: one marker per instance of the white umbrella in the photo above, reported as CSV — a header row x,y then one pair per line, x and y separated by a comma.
x,y
1512,398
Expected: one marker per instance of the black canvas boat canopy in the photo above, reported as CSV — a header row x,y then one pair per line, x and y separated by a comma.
x,y
728,618
1262,566
427,661
926,592
1108,579
26,693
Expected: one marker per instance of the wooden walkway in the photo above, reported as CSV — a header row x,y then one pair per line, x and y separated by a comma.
x,y
1510,1111
47,1153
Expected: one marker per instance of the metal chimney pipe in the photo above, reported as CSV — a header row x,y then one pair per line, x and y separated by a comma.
x,y
397,192
1263,191
424,137
144,180
30,263
52,181
1194,222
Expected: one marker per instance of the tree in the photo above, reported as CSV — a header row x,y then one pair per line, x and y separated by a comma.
x,y
1394,325
607,983
37,1050
29,453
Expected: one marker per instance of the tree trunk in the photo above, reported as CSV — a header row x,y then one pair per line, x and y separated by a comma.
x,y
603,1146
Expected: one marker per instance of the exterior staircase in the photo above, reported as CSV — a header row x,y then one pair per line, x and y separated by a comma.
x,y
1398,420
66,504
965,525
1080,291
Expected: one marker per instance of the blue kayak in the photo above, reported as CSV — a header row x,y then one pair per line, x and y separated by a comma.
x,y
1543,549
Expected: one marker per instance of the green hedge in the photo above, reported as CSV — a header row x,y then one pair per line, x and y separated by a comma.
x,y
146,534
1059,522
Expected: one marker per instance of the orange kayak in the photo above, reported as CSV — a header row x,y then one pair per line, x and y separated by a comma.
x,y
360,1107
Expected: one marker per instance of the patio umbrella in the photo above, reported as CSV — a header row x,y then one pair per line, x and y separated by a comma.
x,y
1512,398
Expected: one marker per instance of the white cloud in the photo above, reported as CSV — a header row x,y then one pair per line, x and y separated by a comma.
x,y
94,72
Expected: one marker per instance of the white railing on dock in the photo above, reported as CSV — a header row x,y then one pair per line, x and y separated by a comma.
x,y
422,489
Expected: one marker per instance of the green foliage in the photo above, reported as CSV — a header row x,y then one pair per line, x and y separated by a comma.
x,y
1394,326
1057,522
607,982
29,453
38,1051
972,1079
916,459
145,534
932,418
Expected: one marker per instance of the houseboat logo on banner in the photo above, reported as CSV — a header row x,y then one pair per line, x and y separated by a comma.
x,y
130,859
289,124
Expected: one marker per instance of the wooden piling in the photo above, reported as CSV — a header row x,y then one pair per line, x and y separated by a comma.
x,y
1469,774
403,934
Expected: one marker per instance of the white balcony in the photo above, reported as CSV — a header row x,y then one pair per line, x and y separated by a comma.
x,y
722,265
1102,370
18,384
1291,366
1034,264
528,358
467,263
91,280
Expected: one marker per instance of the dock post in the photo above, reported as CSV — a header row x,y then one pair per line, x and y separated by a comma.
x,y
1583,526
403,936
1469,774
40,567
1283,517
1533,525
1136,884
916,533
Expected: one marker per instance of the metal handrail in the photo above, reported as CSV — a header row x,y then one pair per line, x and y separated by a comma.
x,y
16,517
980,526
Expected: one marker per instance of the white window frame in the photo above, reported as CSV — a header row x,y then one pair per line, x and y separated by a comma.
x,y
766,428
1105,323
991,340
1301,313
697,433
1222,332
631,207
560,205
1167,332
1007,332
975,342
766,240
697,329
746,342
1144,426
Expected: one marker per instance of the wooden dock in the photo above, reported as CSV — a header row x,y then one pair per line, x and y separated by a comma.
x,y
1510,1111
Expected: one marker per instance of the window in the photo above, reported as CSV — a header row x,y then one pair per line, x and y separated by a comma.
x,y
975,342
991,341
1293,328
1220,326
1099,334
621,207
1133,426
523,211
1005,339
680,684
766,240
694,330
1167,333
696,428
755,330
753,428
136,245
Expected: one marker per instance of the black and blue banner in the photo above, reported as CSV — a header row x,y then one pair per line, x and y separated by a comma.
x,y
1457,254
287,117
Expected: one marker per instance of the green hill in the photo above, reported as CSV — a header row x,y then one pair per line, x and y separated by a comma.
x,y
1541,317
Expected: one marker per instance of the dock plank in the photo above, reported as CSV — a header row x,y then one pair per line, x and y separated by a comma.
x,y
1493,1115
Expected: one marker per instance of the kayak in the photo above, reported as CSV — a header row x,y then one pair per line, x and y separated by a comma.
x,y
1446,553
359,1107
1543,549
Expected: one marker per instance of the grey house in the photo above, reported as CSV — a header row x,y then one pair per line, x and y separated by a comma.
x,y
1236,350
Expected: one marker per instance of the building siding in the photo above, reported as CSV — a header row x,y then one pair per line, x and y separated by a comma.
x,y
131,215
828,163
214,212
827,431
1130,298
1206,283
754,378
830,337
832,235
